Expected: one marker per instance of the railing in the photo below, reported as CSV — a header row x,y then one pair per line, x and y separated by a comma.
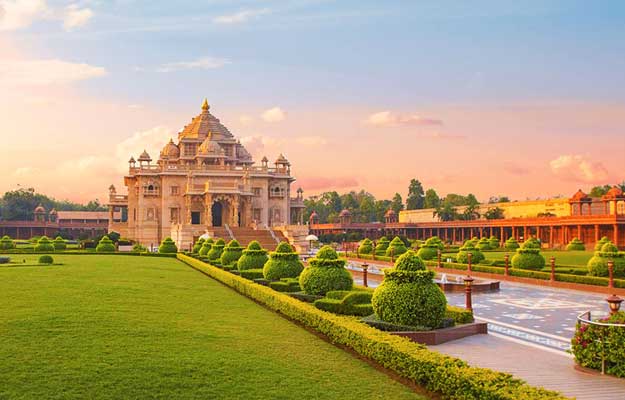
x,y
227,227
272,233
204,167
581,319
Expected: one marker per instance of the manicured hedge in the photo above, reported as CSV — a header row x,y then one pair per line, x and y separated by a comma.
x,y
450,377
214,254
326,272
105,245
366,246
483,244
528,256
168,246
576,245
381,246
429,250
253,257
598,264
206,247
282,263
6,243
46,259
494,242
59,244
601,242
463,254
396,248
232,252
197,246
511,244
45,245
347,302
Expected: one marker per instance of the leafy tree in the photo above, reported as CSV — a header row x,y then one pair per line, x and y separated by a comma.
x,y
431,199
498,199
416,195
599,191
397,204
494,213
446,212
471,212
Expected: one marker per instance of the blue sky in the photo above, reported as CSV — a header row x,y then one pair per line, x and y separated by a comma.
x,y
540,73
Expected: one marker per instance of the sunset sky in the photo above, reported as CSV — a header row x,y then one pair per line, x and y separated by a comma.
x,y
524,99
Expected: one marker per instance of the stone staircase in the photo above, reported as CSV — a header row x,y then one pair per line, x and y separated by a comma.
x,y
263,236
221,233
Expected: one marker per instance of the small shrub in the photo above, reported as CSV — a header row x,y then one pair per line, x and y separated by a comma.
x,y
232,252
396,248
366,246
381,246
253,257
512,244
5,260
598,264
206,247
463,254
429,250
251,274
197,246
592,342
576,245
59,243
282,263
6,243
139,248
494,242
167,246
408,295
105,245
601,242
483,244
44,245
528,256
46,259
326,272
214,254
356,302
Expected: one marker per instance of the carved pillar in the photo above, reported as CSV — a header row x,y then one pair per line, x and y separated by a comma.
x,y
187,204
208,205
235,211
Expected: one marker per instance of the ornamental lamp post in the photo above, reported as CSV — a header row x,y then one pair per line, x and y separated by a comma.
x,y
469,257
438,255
553,269
468,281
365,267
392,253
611,272
506,259
615,303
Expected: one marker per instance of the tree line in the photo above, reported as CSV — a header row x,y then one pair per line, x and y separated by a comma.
x,y
20,204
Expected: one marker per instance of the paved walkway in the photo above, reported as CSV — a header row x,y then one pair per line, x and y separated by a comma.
x,y
549,369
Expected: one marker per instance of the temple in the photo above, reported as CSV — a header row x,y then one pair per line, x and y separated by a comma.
x,y
554,221
204,181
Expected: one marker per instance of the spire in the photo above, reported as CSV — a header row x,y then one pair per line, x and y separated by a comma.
x,y
205,105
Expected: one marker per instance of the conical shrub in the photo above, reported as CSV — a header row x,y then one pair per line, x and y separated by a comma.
x,y
232,252
44,244
326,272
206,247
366,246
463,253
168,246
253,257
59,243
217,248
282,263
105,245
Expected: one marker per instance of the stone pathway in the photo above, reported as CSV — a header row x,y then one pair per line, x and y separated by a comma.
x,y
550,369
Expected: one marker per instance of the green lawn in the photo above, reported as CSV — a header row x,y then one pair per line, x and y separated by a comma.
x,y
111,327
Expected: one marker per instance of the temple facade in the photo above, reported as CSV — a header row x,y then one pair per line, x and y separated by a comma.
x,y
204,181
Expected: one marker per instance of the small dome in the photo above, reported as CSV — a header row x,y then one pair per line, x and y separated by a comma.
x,y
390,213
345,213
300,190
132,160
264,159
210,148
170,151
40,209
579,195
613,193
145,156
282,160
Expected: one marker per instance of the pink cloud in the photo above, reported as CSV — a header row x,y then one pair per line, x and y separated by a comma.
x,y
313,183
515,169
578,168
390,118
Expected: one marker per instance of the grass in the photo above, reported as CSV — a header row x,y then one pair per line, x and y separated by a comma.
x,y
111,327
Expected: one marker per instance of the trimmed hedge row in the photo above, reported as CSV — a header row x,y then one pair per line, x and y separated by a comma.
x,y
453,378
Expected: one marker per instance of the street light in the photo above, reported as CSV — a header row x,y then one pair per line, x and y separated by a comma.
x,y
468,281
507,263
438,255
553,269
611,272
469,257
365,267
615,303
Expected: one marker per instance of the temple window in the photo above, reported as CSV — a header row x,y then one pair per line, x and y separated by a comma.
x,y
190,149
276,191
174,214
257,191
174,191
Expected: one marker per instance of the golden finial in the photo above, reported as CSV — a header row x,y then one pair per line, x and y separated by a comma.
x,y
205,105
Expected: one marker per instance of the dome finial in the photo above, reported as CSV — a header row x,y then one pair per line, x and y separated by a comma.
x,y
205,105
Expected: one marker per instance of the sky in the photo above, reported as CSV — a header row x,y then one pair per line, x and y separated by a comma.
x,y
523,99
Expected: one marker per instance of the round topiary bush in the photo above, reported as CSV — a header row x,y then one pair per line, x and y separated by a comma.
x,y
214,254
409,296
282,263
528,256
511,244
232,252
46,259
576,245
167,246
253,257
598,264
381,246
396,247
366,246
206,247
44,244
494,242
197,246
326,272
6,243
59,243
601,242
429,250
463,253
483,244
105,245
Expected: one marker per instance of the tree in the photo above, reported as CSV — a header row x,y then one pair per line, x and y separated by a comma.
x,y
431,199
498,199
494,213
599,191
397,204
415,198
446,212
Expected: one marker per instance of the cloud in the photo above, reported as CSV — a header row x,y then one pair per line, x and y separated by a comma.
x,y
245,120
25,171
579,169
240,17
442,135
45,72
18,14
323,183
515,169
257,145
152,140
200,63
76,17
311,141
389,118
275,114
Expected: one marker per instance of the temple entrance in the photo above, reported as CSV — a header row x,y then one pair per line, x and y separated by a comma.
x,y
217,211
